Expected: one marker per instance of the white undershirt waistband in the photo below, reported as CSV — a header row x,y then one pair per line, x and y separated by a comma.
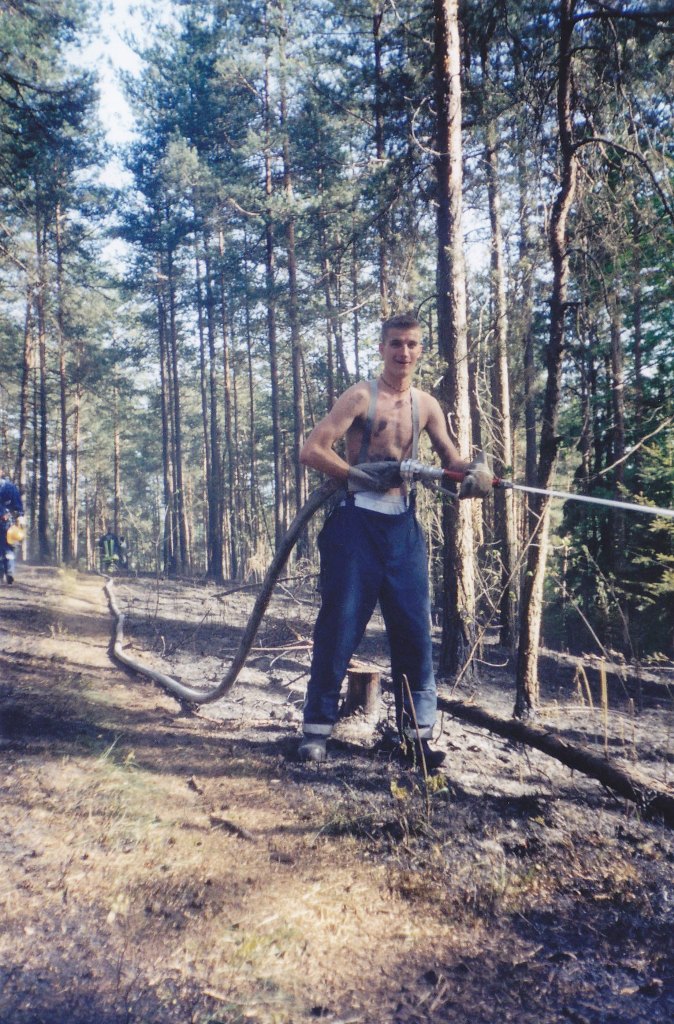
x,y
388,504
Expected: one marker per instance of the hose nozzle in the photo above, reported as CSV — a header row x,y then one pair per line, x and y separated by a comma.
x,y
412,470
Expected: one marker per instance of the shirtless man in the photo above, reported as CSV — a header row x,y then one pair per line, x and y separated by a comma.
x,y
372,548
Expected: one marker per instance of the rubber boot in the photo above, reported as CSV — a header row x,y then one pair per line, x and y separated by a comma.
x,y
312,748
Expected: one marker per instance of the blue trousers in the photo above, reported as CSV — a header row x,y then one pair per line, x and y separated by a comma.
x,y
368,557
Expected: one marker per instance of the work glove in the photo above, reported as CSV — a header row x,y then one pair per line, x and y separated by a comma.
x,y
373,476
479,478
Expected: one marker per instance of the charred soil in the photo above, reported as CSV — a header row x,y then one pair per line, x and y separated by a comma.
x,y
165,864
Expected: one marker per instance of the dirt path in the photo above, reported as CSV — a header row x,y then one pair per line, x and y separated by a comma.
x,y
160,866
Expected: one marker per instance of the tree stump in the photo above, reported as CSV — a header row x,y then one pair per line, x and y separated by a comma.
x,y
363,690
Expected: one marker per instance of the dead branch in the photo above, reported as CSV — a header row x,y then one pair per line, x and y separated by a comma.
x,y
654,800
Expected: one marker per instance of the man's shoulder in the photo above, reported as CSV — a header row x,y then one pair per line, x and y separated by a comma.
x,y
425,398
356,394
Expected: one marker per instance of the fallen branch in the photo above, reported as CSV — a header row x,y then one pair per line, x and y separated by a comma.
x,y
653,799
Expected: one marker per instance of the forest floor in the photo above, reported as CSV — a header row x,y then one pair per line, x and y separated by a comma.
x,y
166,866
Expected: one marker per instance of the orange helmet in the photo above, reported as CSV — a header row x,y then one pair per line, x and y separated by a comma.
x,y
15,534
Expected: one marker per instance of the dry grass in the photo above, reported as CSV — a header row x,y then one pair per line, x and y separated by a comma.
x,y
167,868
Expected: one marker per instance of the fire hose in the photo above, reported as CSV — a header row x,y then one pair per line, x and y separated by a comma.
x,y
411,471
188,694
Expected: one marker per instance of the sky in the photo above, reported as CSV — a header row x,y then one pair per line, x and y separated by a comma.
x,y
109,54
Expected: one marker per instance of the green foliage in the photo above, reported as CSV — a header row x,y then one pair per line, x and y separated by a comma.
x,y
257,121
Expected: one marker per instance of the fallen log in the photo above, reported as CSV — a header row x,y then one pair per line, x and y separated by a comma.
x,y
653,799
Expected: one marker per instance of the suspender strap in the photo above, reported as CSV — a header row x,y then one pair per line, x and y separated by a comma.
x,y
415,436
369,423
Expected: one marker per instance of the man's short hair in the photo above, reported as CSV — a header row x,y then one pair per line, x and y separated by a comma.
x,y
406,321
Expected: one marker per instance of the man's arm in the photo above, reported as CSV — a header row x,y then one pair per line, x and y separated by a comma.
x,y
478,477
436,428
317,451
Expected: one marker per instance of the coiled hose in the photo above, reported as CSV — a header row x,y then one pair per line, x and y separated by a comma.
x,y
188,694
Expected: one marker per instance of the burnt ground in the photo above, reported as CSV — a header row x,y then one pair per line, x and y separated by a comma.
x,y
166,865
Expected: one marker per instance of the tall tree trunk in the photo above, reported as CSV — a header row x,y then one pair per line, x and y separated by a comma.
x,y
638,339
355,301
458,624
66,539
618,525
252,433
503,499
526,304
270,283
326,277
179,494
44,546
205,417
215,495
531,602
585,441
33,543
26,369
293,298
168,549
116,468
618,531
380,150
74,515
230,436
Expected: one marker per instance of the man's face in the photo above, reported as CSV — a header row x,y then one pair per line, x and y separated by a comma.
x,y
400,351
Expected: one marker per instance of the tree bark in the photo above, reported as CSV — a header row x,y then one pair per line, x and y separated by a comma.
x,y
618,526
205,417
380,150
270,283
458,623
531,601
293,299
26,369
215,496
66,538
116,462
230,434
504,509
251,504
74,515
179,491
44,545
166,525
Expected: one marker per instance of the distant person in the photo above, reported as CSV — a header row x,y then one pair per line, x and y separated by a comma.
x,y
11,525
109,548
123,554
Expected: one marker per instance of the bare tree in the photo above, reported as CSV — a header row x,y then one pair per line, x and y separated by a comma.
x,y
458,626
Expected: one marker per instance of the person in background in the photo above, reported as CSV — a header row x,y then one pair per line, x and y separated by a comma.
x,y
109,548
11,516
123,553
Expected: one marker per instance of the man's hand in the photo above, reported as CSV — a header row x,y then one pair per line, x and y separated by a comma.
x,y
374,476
479,479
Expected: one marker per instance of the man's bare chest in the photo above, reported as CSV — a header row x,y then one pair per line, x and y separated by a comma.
x,y
388,433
